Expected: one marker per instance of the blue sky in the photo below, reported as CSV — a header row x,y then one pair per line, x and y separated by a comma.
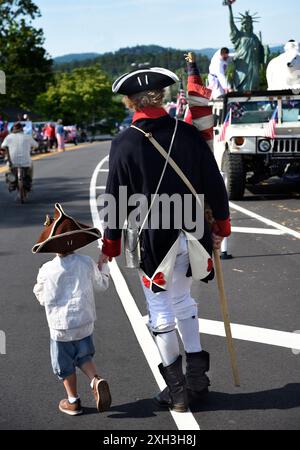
x,y
76,26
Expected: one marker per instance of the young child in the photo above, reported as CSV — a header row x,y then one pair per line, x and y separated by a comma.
x,y
65,288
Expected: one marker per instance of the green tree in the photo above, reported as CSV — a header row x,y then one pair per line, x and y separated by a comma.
x,y
121,61
22,56
81,96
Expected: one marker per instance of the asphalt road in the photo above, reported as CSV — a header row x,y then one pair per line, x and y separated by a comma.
x,y
262,283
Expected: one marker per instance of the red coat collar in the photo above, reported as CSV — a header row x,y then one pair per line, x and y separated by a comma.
x,y
149,113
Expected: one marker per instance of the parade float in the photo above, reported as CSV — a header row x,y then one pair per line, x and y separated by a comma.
x,y
257,133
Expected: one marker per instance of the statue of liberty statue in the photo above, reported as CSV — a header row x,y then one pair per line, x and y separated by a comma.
x,y
249,51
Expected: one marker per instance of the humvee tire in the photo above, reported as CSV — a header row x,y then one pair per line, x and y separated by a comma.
x,y
235,176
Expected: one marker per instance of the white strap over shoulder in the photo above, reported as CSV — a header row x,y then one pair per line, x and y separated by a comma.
x,y
170,160
167,157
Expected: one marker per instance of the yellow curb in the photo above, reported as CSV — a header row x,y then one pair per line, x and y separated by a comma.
x,y
48,155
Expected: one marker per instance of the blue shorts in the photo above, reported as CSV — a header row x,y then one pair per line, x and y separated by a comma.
x,y
66,356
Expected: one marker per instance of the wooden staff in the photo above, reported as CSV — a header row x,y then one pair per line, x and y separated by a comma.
x,y
225,314
224,303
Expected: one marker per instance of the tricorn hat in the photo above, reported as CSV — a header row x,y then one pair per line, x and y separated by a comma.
x,y
63,234
142,80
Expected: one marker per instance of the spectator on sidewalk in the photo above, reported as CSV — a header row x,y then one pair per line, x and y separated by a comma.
x,y
50,135
60,135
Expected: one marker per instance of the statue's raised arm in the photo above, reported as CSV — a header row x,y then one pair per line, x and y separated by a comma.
x,y
235,32
233,26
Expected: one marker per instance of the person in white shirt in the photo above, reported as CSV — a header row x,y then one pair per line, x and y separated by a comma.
x,y
19,146
218,81
65,287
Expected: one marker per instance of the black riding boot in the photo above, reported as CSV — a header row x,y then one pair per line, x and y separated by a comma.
x,y
197,364
175,380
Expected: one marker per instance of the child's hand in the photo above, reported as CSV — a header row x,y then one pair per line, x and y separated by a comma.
x,y
103,259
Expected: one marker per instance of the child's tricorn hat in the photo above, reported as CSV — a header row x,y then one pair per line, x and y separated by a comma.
x,y
142,80
63,234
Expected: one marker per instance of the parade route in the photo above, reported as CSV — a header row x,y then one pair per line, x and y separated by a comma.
x,y
262,284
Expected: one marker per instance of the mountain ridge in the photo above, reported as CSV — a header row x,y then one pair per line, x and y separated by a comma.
x,y
139,50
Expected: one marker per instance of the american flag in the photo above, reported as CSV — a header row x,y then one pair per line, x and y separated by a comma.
x,y
181,102
238,110
226,124
270,131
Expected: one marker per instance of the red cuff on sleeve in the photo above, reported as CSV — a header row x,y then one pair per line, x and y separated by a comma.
x,y
111,248
222,228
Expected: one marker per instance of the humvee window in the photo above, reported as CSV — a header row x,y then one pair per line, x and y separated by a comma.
x,y
290,111
252,112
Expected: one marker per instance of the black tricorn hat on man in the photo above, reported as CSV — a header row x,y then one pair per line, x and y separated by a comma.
x,y
144,79
63,234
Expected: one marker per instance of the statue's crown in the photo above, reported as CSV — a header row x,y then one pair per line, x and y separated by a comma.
x,y
247,17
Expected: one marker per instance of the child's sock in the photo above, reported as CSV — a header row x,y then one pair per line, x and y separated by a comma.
x,y
73,400
96,377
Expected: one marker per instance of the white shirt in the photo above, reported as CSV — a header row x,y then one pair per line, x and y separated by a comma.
x,y
218,68
65,286
19,146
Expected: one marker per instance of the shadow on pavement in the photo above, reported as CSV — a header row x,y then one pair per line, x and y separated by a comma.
x,y
138,409
273,191
284,398
90,411
287,397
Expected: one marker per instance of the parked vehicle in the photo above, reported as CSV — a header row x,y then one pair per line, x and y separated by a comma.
x,y
3,134
126,123
248,154
102,130
71,134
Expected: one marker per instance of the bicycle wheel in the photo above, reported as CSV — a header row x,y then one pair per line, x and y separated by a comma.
x,y
21,188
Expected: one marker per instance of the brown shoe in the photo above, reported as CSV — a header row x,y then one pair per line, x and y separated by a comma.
x,y
71,409
101,394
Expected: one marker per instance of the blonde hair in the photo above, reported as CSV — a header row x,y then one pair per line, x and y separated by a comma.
x,y
142,100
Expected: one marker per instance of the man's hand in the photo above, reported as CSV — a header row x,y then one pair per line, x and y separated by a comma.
x,y
217,241
103,259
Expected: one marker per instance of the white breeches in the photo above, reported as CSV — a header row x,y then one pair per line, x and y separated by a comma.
x,y
215,86
165,307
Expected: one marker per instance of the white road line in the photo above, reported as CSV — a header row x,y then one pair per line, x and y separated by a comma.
x,y
184,421
269,222
100,188
104,170
266,231
258,335
252,334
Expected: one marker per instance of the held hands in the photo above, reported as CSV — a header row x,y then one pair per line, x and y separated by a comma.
x,y
103,259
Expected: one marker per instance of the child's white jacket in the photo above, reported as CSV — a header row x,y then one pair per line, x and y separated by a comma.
x,y
65,286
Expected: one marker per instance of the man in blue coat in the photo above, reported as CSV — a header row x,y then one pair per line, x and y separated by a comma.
x,y
170,258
